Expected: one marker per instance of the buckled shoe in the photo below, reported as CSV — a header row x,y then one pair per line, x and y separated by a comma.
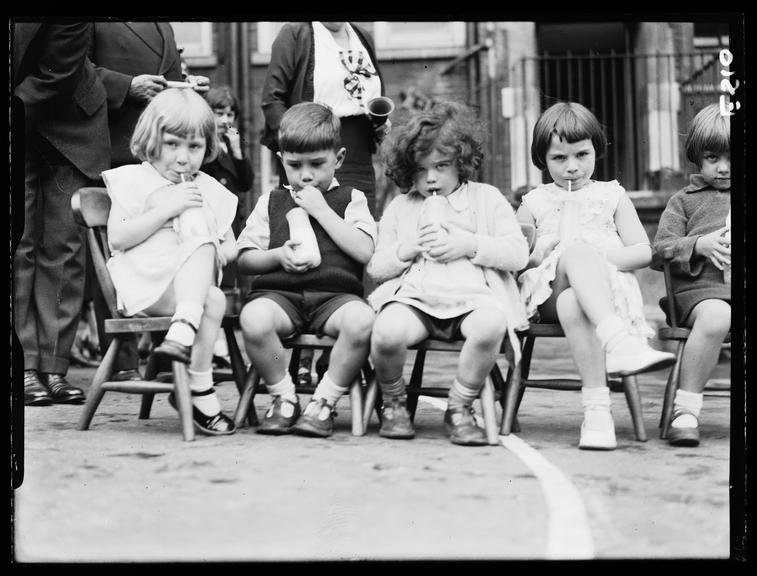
x,y
216,425
461,427
395,419
317,419
280,417
35,394
61,391
683,436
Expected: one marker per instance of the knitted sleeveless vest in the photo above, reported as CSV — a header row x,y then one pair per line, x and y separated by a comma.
x,y
338,272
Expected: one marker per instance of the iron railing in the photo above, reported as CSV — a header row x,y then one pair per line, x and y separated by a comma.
x,y
644,101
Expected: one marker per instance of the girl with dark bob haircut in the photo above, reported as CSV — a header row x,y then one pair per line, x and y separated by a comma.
x,y
570,121
449,127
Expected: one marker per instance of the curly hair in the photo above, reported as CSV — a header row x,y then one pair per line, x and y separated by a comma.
x,y
449,127
569,121
710,131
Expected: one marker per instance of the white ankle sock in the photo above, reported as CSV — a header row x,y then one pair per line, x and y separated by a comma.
x,y
179,331
690,402
329,390
610,331
202,382
598,397
393,388
462,394
283,388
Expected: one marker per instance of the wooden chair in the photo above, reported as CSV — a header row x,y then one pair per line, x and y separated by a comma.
x,y
91,206
518,375
246,406
492,386
679,334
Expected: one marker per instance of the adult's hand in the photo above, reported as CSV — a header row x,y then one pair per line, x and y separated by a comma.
x,y
146,86
199,83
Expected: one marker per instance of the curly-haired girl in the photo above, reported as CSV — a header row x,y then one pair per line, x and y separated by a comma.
x,y
447,280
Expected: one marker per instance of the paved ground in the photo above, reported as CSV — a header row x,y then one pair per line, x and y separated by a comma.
x,y
132,490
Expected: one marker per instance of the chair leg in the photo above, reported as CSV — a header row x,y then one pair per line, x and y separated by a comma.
x,y
371,395
151,371
356,407
237,361
246,406
416,379
490,413
510,399
183,399
96,393
670,392
633,397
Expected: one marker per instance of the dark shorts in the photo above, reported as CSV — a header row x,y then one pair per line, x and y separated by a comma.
x,y
447,329
308,310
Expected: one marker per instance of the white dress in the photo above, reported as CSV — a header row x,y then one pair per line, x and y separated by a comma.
x,y
142,273
598,202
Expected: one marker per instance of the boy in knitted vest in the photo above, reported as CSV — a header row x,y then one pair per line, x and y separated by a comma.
x,y
292,293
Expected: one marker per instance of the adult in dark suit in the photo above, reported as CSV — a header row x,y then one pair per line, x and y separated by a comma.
x,y
66,146
134,61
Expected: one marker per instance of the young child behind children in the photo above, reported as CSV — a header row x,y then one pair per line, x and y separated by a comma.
x,y
694,236
157,267
291,294
589,241
232,169
450,279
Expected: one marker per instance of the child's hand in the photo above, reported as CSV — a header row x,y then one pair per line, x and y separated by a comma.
x,y
410,250
175,198
716,246
234,141
445,245
311,199
289,259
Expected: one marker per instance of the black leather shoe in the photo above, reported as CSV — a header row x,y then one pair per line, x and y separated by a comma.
x,y
61,391
218,425
35,394
174,351
126,376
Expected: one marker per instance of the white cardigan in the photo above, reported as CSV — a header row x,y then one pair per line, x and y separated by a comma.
x,y
502,250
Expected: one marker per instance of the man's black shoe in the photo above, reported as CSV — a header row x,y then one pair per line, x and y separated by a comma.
x,y
35,394
61,391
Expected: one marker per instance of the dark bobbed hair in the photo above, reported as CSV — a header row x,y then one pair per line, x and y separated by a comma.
x,y
178,111
569,121
309,127
709,131
222,96
449,127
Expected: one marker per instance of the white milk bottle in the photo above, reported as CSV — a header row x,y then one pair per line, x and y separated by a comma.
x,y
434,212
301,231
192,223
569,228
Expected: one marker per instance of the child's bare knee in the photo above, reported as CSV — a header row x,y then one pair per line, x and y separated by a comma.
x,y
488,328
714,318
358,323
256,321
386,338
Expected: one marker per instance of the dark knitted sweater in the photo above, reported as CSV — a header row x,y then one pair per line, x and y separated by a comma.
x,y
338,272
696,210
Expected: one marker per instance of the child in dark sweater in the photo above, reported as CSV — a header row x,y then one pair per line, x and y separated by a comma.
x,y
292,293
694,236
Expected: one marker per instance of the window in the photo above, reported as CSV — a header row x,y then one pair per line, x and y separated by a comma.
x,y
393,39
419,39
195,39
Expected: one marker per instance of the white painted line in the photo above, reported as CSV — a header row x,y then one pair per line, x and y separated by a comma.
x,y
569,536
